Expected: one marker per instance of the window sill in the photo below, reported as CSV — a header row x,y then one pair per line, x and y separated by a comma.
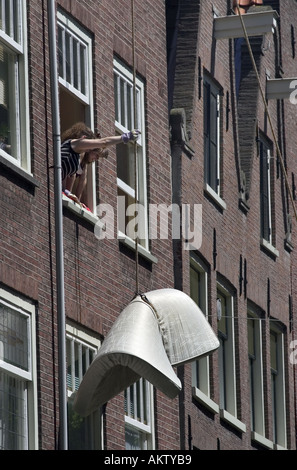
x,y
16,170
205,400
270,248
132,245
79,211
288,246
215,197
279,447
230,419
262,440
137,425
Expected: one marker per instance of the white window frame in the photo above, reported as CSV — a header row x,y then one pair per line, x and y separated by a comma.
x,y
267,170
66,25
267,242
227,363
256,378
124,73
77,33
134,420
214,193
20,95
29,377
269,195
278,391
94,422
200,368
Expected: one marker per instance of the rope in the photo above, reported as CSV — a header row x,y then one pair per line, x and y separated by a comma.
x,y
267,110
135,144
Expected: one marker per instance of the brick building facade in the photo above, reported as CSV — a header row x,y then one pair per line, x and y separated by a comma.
x,y
241,275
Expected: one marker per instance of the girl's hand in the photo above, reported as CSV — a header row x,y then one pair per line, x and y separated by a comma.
x,y
130,136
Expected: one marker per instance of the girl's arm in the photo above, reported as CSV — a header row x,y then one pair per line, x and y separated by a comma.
x,y
83,144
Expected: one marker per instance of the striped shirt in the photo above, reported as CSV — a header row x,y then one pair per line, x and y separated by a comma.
x,y
70,160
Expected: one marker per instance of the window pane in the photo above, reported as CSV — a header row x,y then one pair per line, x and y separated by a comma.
x,y
73,60
69,372
213,117
251,337
67,58
136,401
273,351
9,110
124,103
265,191
80,431
211,134
14,334
13,414
60,51
83,69
10,20
222,324
194,285
116,97
76,64
130,107
126,164
16,21
137,406
83,433
133,439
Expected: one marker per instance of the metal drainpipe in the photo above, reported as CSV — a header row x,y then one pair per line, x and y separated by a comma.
x,y
63,435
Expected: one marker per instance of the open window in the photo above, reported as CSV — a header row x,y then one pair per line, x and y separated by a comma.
x,y
75,87
14,105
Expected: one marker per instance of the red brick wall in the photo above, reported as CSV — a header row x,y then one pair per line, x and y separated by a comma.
x,y
106,274
237,233
99,276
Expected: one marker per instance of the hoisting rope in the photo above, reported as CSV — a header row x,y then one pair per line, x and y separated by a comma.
x,y
135,147
267,110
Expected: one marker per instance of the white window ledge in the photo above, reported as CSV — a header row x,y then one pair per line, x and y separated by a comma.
x,y
217,199
269,247
79,211
13,167
137,424
262,440
205,400
131,244
279,447
232,420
